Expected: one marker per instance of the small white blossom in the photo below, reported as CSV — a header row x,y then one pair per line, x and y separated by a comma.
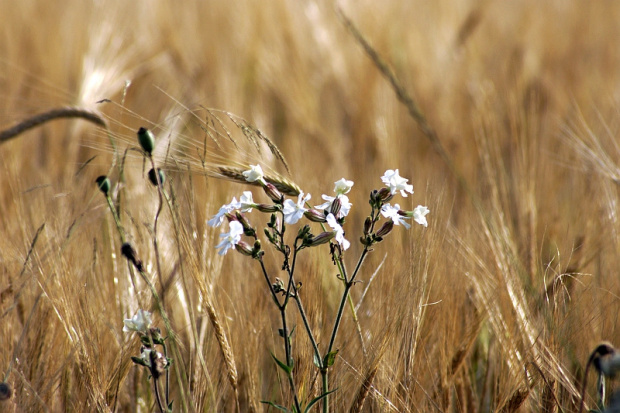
x,y
391,212
396,183
331,220
255,173
294,211
140,323
218,218
419,215
246,203
342,186
230,239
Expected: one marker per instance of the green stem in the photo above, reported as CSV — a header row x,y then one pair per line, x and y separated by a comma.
x,y
348,283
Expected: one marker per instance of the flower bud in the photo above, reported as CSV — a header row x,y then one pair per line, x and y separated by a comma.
x,y
278,285
153,177
159,364
257,246
273,193
247,227
244,248
5,391
268,208
104,184
147,140
336,205
385,229
322,238
130,253
367,225
315,216
385,195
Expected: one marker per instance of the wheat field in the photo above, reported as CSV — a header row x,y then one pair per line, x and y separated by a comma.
x,y
503,115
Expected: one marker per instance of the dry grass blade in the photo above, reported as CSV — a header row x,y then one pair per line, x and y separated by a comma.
x,y
363,391
516,400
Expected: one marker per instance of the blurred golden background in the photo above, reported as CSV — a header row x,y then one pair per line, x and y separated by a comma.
x,y
494,307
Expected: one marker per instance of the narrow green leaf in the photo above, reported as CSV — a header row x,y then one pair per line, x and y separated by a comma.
x,y
288,369
277,406
317,399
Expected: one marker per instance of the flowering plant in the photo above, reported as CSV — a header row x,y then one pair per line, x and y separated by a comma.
x,y
332,212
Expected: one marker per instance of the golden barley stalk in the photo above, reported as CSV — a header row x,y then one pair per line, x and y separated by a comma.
x,y
58,113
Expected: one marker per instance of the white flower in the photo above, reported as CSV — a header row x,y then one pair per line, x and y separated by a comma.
x,y
419,215
342,186
141,322
396,183
218,218
230,239
331,220
391,212
345,205
246,203
255,173
294,211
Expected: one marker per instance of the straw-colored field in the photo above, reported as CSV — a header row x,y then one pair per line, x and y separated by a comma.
x,y
502,114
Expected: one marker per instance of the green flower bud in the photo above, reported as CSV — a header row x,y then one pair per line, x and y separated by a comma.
x,y
104,184
5,391
153,177
147,140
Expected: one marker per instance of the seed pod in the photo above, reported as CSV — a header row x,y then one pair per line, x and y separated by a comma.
x,y
5,391
153,177
147,140
104,184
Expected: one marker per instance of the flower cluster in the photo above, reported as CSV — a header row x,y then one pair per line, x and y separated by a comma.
x,y
142,324
333,212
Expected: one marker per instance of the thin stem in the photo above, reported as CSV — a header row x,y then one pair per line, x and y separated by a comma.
x,y
167,376
157,395
285,335
155,243
304,318
348,284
